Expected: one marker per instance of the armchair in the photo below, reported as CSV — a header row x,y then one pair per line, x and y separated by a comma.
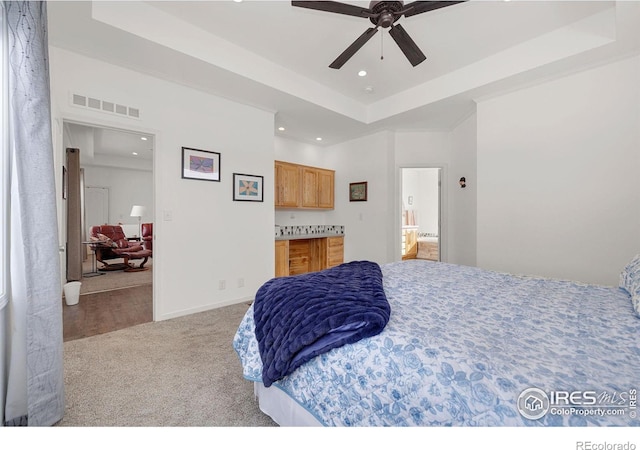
x,y
147,236
111,243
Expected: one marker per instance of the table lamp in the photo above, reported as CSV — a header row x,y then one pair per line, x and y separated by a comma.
x,y
138,211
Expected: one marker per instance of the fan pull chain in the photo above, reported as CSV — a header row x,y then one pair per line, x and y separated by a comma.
x,y
381,46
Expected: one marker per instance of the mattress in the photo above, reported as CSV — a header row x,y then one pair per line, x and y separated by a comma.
x,y
470,347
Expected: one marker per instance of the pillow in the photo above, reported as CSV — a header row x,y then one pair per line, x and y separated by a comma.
x,y
106,241
630,282
630,276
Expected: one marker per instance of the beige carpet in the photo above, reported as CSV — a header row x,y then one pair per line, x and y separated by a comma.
x,y
181,372
116,279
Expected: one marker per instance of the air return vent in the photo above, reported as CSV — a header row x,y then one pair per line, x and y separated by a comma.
x,y
84,101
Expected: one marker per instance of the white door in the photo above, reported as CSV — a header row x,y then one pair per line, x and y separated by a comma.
x,y
96,207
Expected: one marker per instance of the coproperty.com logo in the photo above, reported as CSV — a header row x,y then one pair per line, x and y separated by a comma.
x,y
534,403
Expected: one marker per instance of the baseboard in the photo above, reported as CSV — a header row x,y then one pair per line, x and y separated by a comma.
x,y
186,312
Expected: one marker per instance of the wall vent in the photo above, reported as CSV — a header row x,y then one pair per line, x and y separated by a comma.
x,y
84,101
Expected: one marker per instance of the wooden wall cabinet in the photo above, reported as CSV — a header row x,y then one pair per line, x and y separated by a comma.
x,y
307,188
287,185
298,256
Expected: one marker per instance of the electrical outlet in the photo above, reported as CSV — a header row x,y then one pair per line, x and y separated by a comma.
x,y
222,284
240,282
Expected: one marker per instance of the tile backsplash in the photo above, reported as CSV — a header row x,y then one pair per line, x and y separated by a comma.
x,y
293,230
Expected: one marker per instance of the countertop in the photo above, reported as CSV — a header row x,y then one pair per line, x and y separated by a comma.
x,y
292,237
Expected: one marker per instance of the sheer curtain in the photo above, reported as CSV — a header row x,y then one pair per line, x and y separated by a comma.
x,y
33,323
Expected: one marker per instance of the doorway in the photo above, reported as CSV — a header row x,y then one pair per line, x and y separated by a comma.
x,y
420,224
116,169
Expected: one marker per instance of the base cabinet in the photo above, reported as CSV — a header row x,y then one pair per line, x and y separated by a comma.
x,y
335,251
282,258
298,256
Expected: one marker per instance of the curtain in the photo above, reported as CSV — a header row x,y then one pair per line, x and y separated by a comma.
x,y
34,389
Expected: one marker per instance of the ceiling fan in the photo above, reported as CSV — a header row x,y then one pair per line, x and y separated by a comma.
x,y
382,14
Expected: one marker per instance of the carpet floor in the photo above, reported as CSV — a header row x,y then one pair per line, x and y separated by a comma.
x,y
181,372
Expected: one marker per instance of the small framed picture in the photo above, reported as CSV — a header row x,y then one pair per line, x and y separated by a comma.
x,y
247,188
200,164
358,192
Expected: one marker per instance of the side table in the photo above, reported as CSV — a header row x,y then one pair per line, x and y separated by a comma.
x,y
94,264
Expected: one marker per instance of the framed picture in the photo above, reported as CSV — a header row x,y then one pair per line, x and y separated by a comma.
x,y
358,192
200,164
247,188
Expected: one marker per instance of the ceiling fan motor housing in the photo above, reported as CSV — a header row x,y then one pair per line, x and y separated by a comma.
x,y
386,13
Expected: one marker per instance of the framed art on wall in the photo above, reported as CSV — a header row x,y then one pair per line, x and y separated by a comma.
x,y
200,164
247,188
358,192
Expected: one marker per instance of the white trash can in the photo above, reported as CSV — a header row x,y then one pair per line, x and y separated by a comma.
x,y
72,292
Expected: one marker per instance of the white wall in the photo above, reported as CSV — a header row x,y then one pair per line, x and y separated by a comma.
x,y
462,207
369,226
126,188
558,168
422,186
202,236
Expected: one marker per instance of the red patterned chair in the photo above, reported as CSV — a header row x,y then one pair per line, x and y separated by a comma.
x,y
111,243
147,236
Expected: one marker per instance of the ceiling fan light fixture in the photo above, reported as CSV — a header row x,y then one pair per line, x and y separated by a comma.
x,y
382,14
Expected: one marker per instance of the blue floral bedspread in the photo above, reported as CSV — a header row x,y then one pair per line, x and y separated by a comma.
x,y
461,346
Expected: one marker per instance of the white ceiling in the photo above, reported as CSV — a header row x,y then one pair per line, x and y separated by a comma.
x,y
275,56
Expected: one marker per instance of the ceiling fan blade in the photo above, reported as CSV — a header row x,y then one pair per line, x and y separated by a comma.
x,y
406,44
353,48
414,8
334,7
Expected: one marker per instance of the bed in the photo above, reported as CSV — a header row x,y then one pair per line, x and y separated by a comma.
x,y
465,346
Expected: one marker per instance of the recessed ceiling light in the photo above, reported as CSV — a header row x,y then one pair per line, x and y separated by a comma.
x,y
143,138
369,89
281,128
134,153
362,73
237,1
318,139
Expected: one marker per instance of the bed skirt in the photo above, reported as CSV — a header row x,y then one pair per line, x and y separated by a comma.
x,y
284,410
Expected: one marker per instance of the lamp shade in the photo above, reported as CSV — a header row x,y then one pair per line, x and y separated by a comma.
x,y
137,211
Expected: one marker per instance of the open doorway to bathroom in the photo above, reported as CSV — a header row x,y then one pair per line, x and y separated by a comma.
x,y
421,213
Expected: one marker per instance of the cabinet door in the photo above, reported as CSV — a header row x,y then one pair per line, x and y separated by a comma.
x,y
335,251
282,258
299,256
325,188
287,185
309,187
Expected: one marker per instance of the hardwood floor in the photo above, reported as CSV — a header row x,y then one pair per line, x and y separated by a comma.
x,y
107,311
